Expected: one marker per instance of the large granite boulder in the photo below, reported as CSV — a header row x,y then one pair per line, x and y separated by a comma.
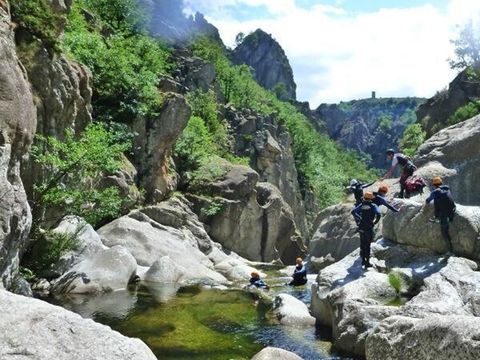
x,y
68,335
433,337
454,153
107,270
354,302
271,353
17,127
288,310
153,146
412,227
254,220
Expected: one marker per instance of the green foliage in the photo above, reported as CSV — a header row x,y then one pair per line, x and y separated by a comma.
x,y
48,248
323,166
194,145
73,169
412,138
26,273
212,208
386,122
464,113
396,282
39,19
211,170
126,68
280,90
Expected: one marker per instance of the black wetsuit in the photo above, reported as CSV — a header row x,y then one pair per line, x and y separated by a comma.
x,y
299,276
366,215
444,210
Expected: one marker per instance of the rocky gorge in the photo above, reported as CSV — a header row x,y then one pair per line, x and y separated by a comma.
x,y
182,246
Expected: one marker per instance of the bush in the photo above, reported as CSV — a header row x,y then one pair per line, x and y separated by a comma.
x,y
464,113
396,282
126,69
39,19
412,138
73,168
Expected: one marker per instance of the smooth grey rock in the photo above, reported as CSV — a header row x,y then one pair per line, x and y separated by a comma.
x,y
17,127
165,270
107,270
271,353
433,337
68,335
290,311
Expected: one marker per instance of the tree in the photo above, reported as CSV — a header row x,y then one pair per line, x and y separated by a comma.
x,y
239,38
74,168
412,138
467,47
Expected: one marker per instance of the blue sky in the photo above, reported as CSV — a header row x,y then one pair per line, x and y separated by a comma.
x,y
344,49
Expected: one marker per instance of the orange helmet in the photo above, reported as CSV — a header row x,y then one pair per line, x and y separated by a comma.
x,y
368,196
255,274
437,181
383,188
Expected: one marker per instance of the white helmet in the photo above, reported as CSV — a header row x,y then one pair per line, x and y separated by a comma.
x,y
353,182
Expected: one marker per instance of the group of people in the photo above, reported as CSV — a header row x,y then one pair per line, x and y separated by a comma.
x,y
299,277
367,205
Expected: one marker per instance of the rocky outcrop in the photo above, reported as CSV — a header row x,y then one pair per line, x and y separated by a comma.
x,y
454,154
269,62
153,146
68,335
356,303
412,227
271,353
254,220
170,23
434,113
288,310
368,126
17,127
452,337
173,245
269,146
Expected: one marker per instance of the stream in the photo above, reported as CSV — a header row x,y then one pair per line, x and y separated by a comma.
x,y
201,323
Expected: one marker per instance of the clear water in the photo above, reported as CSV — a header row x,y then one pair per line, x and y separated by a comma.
x,y
198,324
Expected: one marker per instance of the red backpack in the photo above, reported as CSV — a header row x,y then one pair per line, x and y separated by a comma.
x,y
415,184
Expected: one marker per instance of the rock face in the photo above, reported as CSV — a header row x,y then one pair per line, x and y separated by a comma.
x,y
270,65
170,241
269,147
434,113
368,126
412,227
271,353
290,311
408,338
334,233
69,335
254,220
153,146
355,303
17,127
454,153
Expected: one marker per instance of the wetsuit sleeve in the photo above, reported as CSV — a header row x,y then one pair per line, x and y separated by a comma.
x,y
388,205
431,197
378,214
356,213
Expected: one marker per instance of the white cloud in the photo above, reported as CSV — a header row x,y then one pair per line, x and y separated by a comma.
x,y
337,55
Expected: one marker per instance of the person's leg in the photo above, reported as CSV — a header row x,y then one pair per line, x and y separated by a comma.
x,y
369,239
445,229
362,246
403,178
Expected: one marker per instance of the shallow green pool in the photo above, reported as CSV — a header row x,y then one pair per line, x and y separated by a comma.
x,y
198,324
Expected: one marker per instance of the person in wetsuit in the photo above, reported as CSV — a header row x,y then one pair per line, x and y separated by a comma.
x,y
408,168
257,282
357,188
380,198
299,274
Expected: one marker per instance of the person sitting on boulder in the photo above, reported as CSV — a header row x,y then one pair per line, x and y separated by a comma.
x,y
408,168
381,200
257,282
366,215
299,274
357,188
444,207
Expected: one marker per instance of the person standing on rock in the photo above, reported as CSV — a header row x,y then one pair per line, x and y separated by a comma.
x,y
408,168
299,274
366,215
444,207
381,200
257,282
357,188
